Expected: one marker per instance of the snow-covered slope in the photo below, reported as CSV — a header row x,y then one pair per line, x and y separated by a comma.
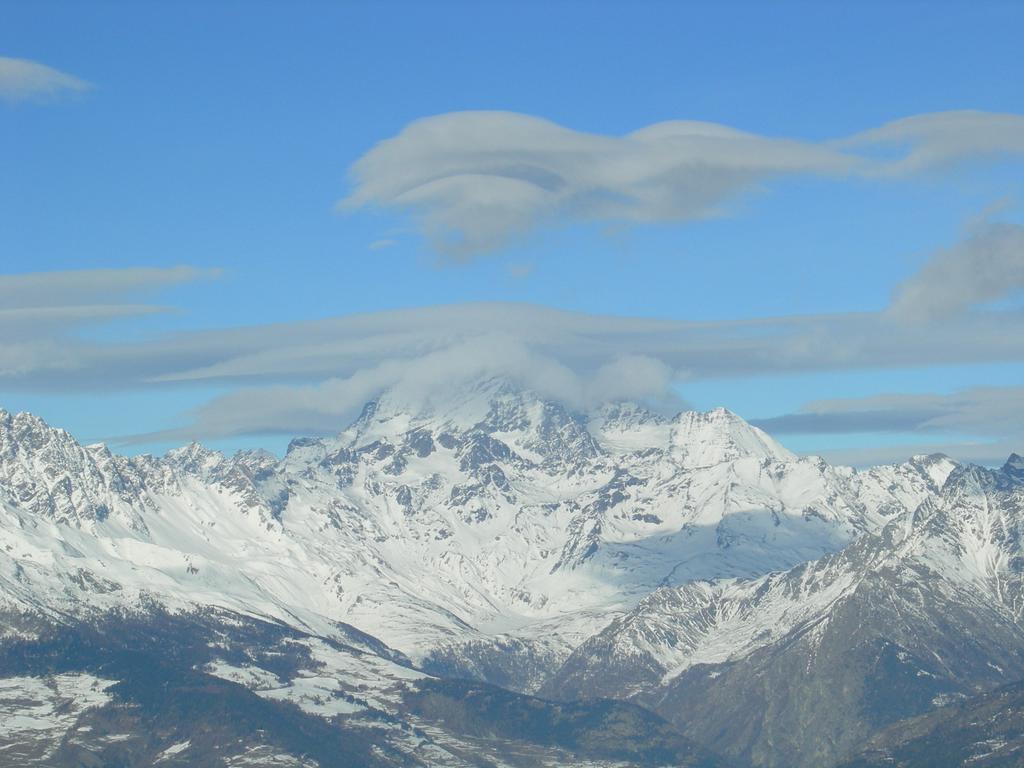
x,y
931,606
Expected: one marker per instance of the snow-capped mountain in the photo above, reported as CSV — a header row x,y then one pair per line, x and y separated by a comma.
x,y
498,537
798,667
501,515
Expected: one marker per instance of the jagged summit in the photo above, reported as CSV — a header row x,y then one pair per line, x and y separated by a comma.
x,y
24,428
545,427
194,458
460,406
1014,466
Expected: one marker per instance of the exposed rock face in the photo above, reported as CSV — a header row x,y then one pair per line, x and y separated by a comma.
x,y
985,730
212,688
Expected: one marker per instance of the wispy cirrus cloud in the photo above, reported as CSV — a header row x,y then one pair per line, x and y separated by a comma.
x,y
84,286
43,305
25,80
313,376
980,424
976,411
987,266
475,181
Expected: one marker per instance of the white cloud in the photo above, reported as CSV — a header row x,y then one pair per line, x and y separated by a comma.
x,y
977,411
310,376
577,359
925,142
475,181
423,382
41,305
86,286
629,377
24,80
980,424
985,267
40,322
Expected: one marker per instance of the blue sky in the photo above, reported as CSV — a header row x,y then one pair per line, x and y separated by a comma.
x,y
223,135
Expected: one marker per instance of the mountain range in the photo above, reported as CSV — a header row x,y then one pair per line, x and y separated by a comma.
x,y
493,579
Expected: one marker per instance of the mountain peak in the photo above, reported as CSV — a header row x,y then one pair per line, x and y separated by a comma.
x,y
529,423
1014,466
194,458
23,419
461,406
528,419
25,431
703,438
